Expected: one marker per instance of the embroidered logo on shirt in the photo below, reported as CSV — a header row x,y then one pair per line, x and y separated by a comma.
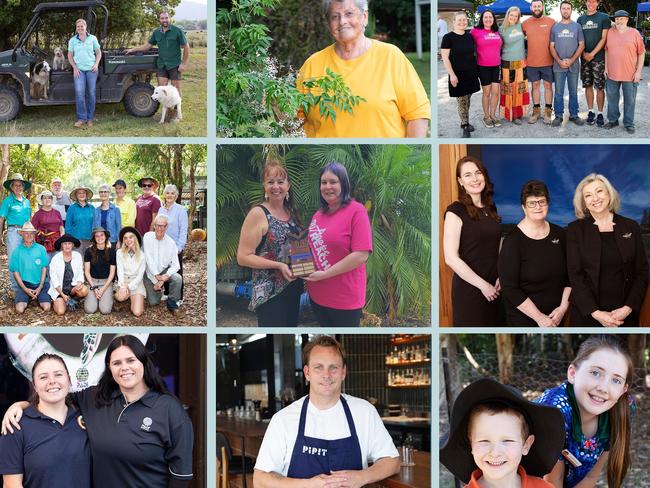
x,y
627,236
556,241
81,422
317,451
146,424
37,261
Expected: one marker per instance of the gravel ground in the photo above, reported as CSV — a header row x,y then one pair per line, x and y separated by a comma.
x,y
449,124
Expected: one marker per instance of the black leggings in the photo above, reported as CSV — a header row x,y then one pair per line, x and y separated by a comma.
x,y
281,310
334,317
180,272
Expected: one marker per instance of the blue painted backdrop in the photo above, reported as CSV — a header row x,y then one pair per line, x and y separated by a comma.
x,y
562,167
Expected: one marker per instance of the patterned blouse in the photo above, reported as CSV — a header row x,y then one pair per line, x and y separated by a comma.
x,y
586,450
268,283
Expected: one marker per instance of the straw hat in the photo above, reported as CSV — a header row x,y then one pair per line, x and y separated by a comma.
x,y
27,228
156,185
44,193
89,193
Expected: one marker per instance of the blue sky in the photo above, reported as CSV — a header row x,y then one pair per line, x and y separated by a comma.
x,y
562,167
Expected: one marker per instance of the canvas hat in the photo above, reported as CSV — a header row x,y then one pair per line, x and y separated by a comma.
x,y
119,182
546,423
44,193
27,227
130,229
155,181
66,238
56,180
16,177
621,13
100,229
89,193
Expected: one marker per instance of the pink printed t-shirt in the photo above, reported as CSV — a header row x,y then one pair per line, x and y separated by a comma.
x,y
145,207
622,51
488,47
332,236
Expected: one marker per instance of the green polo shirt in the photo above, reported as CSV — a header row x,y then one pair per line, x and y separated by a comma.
x,y
28,262
169,45
14,211
83,52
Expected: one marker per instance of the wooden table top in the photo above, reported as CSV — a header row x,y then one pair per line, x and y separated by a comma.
x,y
418,476
242,427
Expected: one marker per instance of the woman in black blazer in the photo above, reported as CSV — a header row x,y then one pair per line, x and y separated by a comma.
x,y
606,259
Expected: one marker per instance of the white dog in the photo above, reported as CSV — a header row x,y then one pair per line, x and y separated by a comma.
x,y
58,62
170,99
40,80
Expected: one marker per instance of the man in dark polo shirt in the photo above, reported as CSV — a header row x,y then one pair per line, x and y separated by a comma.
x,y
169,39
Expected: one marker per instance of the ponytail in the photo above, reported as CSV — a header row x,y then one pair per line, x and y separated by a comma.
x,y
619,447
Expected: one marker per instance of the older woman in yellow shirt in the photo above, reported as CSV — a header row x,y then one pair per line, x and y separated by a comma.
x,y
395,105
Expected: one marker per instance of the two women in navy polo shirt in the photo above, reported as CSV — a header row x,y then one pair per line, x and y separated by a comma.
x,y
139,433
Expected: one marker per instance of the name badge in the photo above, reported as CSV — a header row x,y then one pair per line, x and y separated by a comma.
x,y
571,458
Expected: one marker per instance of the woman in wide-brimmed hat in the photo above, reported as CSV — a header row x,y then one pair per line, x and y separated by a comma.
x,y
469,444
99,269
67,286
130,270
147,204
48,222
80,215
16,209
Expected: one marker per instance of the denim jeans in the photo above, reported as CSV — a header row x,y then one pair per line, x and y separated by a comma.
x,y
613,92
84,92
14,240
571,79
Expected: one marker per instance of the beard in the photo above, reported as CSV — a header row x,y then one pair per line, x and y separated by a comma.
x,y
538,15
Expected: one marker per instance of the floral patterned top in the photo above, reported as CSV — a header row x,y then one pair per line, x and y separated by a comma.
x,y
268,283
585,450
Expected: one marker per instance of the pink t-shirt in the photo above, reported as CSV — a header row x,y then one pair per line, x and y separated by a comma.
x,y
332,236
622,51
145,207
488,47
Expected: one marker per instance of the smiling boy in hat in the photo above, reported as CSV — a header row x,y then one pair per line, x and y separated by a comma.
x,y
498,438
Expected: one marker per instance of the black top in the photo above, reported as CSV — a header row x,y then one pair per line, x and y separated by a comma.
x,y
46,453
101,268
584,252
68,274
479,249
463,61
138,445
612,279
535,269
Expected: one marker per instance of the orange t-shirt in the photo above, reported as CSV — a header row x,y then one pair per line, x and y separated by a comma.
x,y
526,481
622,51
538,33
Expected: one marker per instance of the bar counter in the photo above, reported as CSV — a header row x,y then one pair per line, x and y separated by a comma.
x,y
245,437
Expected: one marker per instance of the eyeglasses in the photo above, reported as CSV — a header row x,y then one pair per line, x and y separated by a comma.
x,y
349,15
147,185
105,192
534,203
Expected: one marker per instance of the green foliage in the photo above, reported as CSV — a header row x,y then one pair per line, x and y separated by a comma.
x,y
256,99
396,18
393,181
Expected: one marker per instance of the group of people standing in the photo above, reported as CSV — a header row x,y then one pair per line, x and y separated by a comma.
x,y
502,60
597,267
70,250
340,240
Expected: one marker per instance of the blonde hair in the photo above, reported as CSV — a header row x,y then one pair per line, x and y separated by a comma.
x,y
136,246
459,13
82,21
579,202
506,22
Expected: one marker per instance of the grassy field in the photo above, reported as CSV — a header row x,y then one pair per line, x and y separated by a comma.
x,y
423,67
113,120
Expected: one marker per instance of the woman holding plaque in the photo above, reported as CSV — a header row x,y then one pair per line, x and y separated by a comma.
x,y
340,237
264,247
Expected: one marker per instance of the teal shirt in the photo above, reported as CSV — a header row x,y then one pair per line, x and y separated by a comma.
x,y
79,221
14,211
29,262
513,43
83,52
169,45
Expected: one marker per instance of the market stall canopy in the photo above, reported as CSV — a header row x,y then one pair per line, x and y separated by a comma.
x,y
643,7
454,5
500,7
